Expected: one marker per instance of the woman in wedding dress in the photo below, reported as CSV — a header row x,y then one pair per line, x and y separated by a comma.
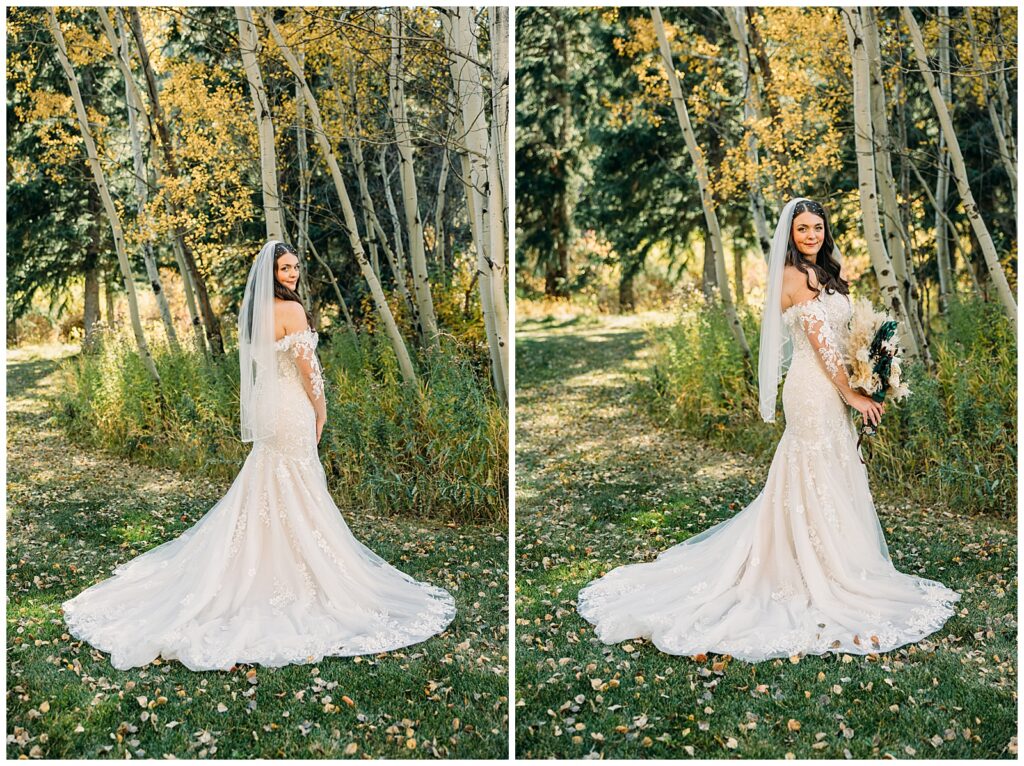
x,y
804,568
271,574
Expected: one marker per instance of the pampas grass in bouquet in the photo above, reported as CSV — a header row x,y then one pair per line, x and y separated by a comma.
x,y
874,357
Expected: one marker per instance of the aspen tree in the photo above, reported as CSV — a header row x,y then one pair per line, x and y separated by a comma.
x,y
379,299
981,232
714,241
104,191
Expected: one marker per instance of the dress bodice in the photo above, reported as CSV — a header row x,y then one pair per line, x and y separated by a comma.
x,y
815,413
295,434
834,309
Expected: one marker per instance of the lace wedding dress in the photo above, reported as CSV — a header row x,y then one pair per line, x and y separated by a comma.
x,y
271,574
804,567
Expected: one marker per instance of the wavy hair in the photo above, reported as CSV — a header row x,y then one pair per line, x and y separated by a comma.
x,y
285,293
826,269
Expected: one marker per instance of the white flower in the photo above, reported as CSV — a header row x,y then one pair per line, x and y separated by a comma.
x,y
863,355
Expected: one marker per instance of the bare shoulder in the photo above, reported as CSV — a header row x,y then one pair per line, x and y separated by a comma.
x,y
289,316
795,288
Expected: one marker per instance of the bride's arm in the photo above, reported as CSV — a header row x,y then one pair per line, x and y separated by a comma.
x,y
819,332
303,350
311,375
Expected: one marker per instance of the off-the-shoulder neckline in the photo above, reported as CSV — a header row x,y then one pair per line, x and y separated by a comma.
x,y
815,299
283,338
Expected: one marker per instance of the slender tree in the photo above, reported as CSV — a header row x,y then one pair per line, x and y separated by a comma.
x,y
889,209
407,181
484,182
865,148
947,284
1007,157
248,44
104,192
714,240
738,20
959,170
327,151
210,322
119,45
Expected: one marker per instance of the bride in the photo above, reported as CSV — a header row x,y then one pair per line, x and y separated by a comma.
x,y
804,568
271,574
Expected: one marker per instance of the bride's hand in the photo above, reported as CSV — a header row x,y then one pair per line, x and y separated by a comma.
x,y
319,430
869,409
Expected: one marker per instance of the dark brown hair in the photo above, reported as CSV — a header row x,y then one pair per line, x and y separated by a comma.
x,y
826,269
280,291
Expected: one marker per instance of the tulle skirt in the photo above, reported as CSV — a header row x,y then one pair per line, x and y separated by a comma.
x,y
270,575
803,569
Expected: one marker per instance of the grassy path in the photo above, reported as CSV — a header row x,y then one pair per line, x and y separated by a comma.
x,y
599,485
72,516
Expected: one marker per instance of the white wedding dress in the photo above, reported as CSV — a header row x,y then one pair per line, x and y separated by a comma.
x,y
270,575
804,568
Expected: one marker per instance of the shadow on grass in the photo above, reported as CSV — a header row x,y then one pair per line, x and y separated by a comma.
x,y
554,357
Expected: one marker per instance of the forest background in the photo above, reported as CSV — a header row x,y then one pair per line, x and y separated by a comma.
x,y
619,207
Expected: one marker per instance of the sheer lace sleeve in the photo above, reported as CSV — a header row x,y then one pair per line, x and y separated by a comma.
x,y
814,321
302,346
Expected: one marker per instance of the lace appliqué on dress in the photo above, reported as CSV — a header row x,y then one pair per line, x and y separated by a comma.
x,y
814,320
302,346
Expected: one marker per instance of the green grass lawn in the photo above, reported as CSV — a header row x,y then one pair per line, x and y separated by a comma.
x,y
72,516
599,485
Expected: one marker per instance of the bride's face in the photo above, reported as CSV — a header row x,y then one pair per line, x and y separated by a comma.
x,y
287,272
808,234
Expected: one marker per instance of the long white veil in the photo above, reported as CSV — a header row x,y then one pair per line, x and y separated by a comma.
x,y
776,348
256,355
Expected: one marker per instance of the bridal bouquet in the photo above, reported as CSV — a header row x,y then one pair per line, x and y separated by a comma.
x,y
874,357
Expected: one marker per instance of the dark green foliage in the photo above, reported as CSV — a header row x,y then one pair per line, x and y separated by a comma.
x,y
953,439
441,454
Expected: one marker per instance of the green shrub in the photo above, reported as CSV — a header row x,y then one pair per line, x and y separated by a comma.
x,y
440,452
952,441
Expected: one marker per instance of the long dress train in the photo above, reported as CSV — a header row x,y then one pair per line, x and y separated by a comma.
x,y
270,575
804,568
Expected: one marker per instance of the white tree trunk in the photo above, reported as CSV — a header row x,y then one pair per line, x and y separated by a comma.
x,y
407,180
461,36
737,19
135,97
1004,97
302,150
375,232
158,126
947,284
697,158
442,193
396,223
379,299
108,202
893,228
499,36
1009,161
119,45
865,148
988,247
354,139
248,44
